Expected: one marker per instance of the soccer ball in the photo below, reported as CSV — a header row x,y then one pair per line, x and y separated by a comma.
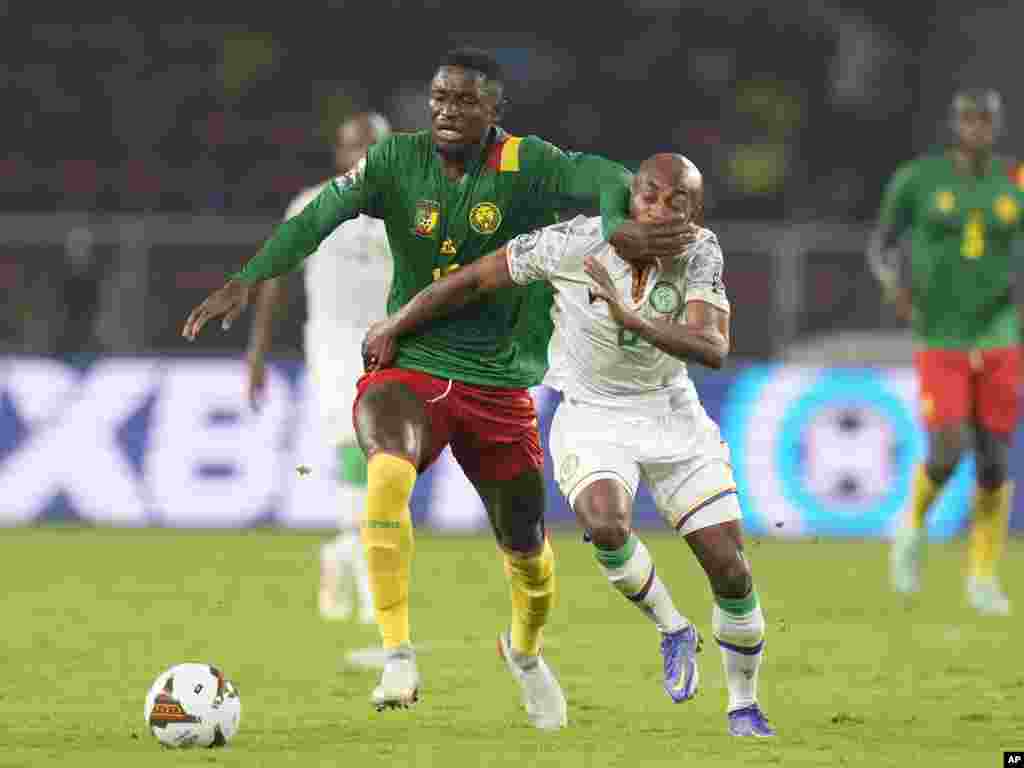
x,y
193,705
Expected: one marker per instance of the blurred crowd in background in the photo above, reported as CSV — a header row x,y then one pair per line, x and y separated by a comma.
x,y
143,159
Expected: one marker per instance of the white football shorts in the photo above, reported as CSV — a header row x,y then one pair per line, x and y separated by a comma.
x,y
679,455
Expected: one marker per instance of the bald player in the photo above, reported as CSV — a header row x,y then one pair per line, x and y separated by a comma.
x,y
623,336
347,281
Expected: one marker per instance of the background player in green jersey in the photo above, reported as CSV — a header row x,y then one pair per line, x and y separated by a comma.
x,y
449,196
963,212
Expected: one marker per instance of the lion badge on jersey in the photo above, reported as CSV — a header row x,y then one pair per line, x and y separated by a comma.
x,y
665,299
1007,210
485,218
945,201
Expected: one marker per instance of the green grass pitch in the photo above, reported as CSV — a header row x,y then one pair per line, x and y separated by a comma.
x,y
852,676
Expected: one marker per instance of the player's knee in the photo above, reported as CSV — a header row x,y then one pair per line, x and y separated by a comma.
x,y
939,473
945,447
603,509
731,578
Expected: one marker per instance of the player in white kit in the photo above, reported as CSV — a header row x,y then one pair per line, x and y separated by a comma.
x,y
623,334
347,282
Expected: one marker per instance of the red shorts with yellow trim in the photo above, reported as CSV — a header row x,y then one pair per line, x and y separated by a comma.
x,y
493,432
979,385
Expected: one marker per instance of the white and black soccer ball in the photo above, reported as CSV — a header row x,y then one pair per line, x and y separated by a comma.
x,y
193,705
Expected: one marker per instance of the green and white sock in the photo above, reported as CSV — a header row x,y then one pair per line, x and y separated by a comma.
x,y
738,626
631,571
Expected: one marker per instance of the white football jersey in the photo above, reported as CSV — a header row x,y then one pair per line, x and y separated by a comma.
x,y
591,358
349,275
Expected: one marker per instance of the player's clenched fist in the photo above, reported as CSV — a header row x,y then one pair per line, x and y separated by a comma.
x,y
228,301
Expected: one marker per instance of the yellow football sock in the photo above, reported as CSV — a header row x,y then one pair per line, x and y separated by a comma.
x,y
388,543
532,579
988,530
922,493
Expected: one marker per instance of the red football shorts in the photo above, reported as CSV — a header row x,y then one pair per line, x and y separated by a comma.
x,y
492,431
978,385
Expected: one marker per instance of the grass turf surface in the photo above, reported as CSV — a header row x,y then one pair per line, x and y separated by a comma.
x,y
852,676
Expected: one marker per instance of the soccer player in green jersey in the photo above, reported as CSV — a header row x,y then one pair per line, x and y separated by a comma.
x,y
963,211
448,196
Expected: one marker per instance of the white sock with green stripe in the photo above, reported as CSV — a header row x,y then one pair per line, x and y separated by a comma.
x,y
631,571
739,629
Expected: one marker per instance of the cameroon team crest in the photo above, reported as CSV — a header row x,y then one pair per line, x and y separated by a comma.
x,y
665,299
485,218
945,201
428,212
1006,209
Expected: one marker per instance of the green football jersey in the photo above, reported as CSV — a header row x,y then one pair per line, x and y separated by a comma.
x,y
962,232
435,225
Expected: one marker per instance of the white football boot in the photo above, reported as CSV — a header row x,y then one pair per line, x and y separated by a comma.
x,y
542,695
399,682
987,598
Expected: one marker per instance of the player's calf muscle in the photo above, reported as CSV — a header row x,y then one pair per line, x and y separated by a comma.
x,y
731,578
992,457
515,509
720,552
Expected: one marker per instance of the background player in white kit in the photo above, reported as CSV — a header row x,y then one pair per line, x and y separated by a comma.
x,y
631,412
347,282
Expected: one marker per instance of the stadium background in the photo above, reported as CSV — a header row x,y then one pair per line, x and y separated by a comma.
x,y
148,158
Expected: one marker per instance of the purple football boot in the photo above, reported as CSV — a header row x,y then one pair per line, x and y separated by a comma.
x,y
679,651
749,721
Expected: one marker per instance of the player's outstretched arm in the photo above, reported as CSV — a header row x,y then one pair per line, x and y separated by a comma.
x,y
442,297
341,199
702,337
